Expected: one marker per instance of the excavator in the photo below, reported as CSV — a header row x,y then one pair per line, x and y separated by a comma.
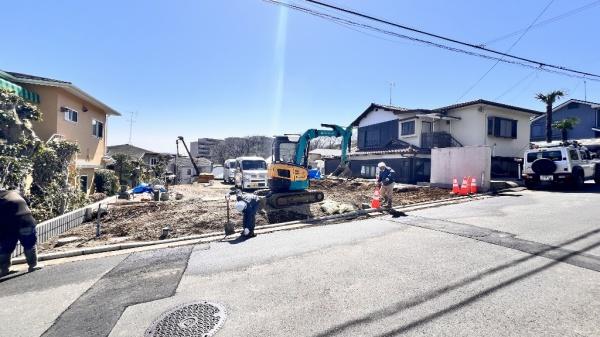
x,y
288,172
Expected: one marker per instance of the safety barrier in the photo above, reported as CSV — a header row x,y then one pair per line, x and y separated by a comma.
x,y
62,223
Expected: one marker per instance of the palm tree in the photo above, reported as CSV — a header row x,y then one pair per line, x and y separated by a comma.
x,y
549,99
565,125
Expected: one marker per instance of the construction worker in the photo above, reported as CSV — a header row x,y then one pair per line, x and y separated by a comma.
x,y
248,204
16,225
386,184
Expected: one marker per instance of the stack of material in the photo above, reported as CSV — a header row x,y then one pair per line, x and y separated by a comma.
x,y
205,177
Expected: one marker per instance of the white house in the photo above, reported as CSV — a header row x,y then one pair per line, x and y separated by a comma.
x,y
184,170
403,138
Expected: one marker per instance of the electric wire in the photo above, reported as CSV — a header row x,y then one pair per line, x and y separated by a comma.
x,y
507,51
512,59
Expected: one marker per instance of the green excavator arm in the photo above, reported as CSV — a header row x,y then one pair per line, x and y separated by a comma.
x,y
301,156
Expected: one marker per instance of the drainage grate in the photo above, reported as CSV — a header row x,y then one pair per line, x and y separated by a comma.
x,y
199,319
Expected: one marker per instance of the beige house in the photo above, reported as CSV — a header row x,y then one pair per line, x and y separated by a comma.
x,y
69,113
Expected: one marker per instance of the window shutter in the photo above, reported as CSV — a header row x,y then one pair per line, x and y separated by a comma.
x,y
490,126
497,127
514,129
362,135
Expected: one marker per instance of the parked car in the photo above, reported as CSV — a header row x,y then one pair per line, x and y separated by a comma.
x,y
251,173
229,168
217,172
569,164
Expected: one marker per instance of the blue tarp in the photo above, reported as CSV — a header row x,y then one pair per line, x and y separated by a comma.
x,y
314,174
143,188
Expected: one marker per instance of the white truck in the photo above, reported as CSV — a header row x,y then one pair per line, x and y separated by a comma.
x,y
251,173
229,171
568,164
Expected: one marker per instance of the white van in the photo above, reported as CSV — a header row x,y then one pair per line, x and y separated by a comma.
x,y
251,173
229,171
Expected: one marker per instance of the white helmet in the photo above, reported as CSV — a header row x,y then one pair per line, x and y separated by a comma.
x,y
240,205
381,165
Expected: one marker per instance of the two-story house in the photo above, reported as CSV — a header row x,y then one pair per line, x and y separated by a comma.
x,y
586,130
69,113
403,138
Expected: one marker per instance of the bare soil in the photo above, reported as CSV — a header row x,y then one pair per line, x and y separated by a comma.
x,y
203,209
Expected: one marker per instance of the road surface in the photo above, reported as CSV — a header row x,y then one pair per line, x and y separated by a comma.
x,y
523,264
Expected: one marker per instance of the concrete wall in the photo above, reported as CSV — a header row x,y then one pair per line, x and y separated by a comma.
x,y
458,162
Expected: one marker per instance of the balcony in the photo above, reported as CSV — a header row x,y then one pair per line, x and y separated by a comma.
x,y
438,139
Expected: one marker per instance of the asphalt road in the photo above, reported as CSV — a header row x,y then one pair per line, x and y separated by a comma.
x,y
524,264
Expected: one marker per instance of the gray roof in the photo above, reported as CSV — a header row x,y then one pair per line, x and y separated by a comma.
x,y
185,161
129,150
35,78
398,110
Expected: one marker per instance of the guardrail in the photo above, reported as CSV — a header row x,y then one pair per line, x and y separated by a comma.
x,y
62,223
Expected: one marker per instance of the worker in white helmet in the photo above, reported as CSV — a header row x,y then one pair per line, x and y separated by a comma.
x,y
385,181
248,205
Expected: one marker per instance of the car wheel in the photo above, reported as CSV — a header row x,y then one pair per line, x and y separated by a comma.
x,y
578,181
530,184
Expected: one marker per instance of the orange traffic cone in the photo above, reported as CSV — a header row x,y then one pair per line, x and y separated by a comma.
x,y
375,200
464,187
473,186
455,187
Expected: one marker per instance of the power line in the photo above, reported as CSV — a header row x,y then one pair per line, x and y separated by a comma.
x,y
513,58
545,22
507,51
516,84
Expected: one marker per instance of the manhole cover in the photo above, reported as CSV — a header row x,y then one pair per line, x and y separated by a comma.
x,y
200,319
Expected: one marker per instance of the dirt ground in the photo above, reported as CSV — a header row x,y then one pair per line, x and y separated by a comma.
x,y
203,209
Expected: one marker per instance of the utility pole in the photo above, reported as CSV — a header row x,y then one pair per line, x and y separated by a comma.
x,y
176,160
392,84
131,121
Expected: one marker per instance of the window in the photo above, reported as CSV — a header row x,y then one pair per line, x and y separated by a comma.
x,y
573,155
83,183
254,165
368,171
502,127
407,128
189,172
153,161
552,155
70,114
97,128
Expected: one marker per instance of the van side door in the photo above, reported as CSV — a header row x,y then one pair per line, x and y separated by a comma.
x,y
586,164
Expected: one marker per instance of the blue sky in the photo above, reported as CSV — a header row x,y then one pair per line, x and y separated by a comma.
x,y
246,67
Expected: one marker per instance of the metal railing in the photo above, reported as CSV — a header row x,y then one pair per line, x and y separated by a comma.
x,y
438,139
62,223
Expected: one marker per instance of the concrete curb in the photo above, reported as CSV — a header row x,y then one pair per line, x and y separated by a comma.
x,y
217,236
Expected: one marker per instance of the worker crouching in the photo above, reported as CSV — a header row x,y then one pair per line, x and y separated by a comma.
x,y
386,184
248,204
16,225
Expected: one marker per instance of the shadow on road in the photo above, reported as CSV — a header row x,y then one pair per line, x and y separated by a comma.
x,y
588,187
420,299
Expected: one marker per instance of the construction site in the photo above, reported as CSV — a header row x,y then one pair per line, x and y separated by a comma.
x,y
202,208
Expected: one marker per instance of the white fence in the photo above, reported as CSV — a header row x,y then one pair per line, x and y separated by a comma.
x,y
56,226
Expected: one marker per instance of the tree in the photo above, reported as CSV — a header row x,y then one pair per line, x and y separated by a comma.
x,y
160,168
549,100
23,157
234,147
565,125
123,167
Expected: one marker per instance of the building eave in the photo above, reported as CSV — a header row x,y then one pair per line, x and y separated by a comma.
x,y
72,89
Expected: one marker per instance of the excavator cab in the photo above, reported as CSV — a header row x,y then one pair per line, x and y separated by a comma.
x,y
284,173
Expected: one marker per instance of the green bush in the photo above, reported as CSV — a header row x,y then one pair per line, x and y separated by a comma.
x,y
106,181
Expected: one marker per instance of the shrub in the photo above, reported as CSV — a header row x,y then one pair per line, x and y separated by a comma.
x,y
106,181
